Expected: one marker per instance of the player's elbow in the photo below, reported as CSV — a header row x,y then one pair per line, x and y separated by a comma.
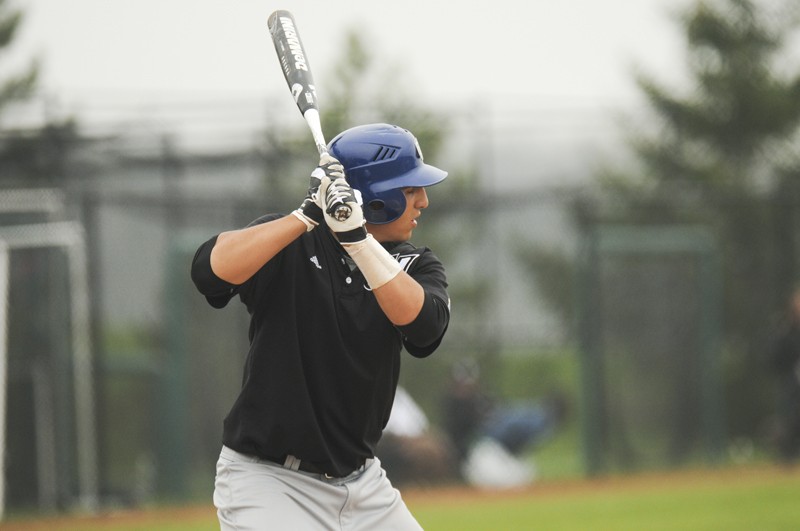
x,y
429,325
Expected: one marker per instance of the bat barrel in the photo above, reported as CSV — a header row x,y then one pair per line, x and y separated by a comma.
x,y
293,59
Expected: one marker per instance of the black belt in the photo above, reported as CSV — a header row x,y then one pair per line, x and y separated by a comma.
x,y
311,468
292,463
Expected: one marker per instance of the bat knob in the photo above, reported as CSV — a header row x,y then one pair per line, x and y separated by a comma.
x,y
342,212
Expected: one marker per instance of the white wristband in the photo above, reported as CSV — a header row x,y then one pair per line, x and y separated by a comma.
x,y
375,262
302,217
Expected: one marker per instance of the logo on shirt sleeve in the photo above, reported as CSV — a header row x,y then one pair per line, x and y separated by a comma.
x,y
405,260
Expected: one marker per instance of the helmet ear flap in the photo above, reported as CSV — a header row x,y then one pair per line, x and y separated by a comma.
x,y
385,207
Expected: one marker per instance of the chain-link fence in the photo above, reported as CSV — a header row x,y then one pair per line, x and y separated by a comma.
x,y
651,335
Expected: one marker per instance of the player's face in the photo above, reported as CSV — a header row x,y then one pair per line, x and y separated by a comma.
x,y
401,229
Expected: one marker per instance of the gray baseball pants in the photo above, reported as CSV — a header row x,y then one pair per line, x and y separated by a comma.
x,y
252,494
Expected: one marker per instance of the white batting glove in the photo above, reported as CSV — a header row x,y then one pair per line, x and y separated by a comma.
x,y
330,166
309,211
334,193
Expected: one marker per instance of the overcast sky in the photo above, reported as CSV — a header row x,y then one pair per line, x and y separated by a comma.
x,y
579,51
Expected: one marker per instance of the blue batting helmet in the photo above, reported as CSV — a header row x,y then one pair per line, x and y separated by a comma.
x,y
379,161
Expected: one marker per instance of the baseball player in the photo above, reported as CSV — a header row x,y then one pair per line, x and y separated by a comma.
x,y
331,305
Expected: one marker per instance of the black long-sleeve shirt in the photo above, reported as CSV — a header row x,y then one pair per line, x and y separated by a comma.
x,y
324,360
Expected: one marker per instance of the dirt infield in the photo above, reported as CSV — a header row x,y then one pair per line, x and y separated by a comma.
x,y
419,497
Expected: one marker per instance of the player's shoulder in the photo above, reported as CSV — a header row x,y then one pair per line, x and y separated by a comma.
x,y
405,248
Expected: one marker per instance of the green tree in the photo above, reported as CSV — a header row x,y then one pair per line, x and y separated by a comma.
x,y
722,151
30,157
18,86
737,124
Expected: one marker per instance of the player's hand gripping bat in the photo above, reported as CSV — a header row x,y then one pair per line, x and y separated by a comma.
x,y
294,64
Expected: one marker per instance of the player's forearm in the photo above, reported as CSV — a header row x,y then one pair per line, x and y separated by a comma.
x,y
239,254
400,299
399,296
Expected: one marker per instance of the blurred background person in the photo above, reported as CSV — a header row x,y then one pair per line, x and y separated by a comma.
x,y
412,450
492,438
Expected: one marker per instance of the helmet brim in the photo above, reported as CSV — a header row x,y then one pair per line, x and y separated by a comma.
x,y
419,177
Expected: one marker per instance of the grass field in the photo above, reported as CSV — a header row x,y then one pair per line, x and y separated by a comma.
x,y
754,498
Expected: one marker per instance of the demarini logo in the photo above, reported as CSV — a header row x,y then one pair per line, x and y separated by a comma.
x,y
298,90
294,44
